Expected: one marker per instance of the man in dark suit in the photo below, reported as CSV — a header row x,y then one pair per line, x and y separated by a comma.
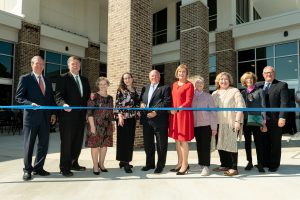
x,y
276,96
155,123
72,90
34,89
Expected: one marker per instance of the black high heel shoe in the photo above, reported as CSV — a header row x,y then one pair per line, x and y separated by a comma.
x,y
184,172
127,168
175,169
122,164
96,173
102,170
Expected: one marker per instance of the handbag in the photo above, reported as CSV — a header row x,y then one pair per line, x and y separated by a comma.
x,y
254,120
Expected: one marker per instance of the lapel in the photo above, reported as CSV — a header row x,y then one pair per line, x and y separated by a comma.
x,y
146,93
155,92
273,86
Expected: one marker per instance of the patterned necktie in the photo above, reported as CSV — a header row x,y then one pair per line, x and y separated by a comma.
x,y
267,87
41,84
78,85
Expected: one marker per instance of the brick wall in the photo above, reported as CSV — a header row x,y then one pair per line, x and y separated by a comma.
x,y
91,64
225,53
26,48
194,39
129,45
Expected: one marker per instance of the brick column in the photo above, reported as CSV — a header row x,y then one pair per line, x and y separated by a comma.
x,y
91,64
194,38
225,53
129,45
26,48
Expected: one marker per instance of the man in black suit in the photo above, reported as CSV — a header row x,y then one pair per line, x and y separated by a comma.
x,y
72,90
34,89
276,96
155,123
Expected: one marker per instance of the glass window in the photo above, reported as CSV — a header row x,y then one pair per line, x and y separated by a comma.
x,y
53,57
286,67
103,69
212,5
286,49
260,65
212,62
6,66
242,11
178,20
245,67
265,52
160,27
6,48
52,70
246,55
6,95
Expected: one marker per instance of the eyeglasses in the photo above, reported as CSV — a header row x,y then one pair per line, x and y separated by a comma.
x,y
270,73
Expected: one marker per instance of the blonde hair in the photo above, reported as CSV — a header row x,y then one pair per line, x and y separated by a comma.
x,y
102,78
182,66
247,75
217,80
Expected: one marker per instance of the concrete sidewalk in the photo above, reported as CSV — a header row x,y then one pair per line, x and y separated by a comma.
x,y
116,184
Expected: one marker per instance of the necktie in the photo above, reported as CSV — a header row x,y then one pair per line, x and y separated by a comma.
x,y
41,84
151,90
78,85
267,86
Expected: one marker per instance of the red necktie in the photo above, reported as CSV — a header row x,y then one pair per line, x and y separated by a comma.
x,y
41,84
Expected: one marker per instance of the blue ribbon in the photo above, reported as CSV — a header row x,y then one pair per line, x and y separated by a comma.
x,y
24,107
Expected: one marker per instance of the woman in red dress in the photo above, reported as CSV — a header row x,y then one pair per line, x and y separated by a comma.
x,y
182,122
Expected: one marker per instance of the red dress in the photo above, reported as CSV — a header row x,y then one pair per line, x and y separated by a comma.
x,y
182,123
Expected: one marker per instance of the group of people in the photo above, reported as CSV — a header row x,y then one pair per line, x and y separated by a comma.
x,y
211,129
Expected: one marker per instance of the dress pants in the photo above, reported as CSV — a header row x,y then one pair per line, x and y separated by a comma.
x,y
272,146
71,127
125,140
257,134
203,139
160,131
30,134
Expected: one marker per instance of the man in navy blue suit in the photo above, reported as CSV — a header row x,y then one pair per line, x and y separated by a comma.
x,y
34,89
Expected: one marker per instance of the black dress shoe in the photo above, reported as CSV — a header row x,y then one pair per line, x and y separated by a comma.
x,y
122,164
41,172
27,176
273,169
260,168
249,166
127,169
96,173
66,173
78,168
158,170
147,168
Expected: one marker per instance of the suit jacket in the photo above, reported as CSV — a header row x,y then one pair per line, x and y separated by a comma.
x,y
276,97
28,92
67,92
161,97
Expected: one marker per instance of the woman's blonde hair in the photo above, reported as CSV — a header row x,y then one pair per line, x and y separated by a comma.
x,y
219,76
182,66
247,75
102,78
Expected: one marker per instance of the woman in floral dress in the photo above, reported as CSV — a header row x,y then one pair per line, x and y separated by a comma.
x,y
100,125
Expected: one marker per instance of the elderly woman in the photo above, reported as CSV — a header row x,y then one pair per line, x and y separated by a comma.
x,y
182,122
205,123
254,98
230,122
100,125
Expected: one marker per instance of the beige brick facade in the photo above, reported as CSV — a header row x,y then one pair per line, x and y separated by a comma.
x,y
27,47
91,64
225,53
194,39
129,45
169,72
